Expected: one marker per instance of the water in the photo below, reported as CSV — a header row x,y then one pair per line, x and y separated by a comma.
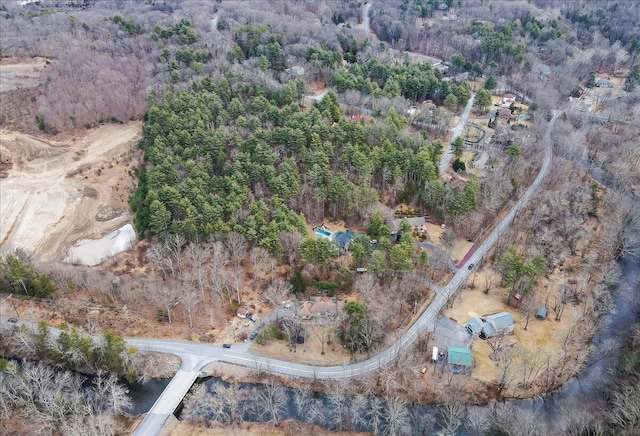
x,y
144,395
586,391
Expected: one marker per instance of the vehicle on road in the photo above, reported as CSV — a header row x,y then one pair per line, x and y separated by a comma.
x,y
12,320
471,265
226,345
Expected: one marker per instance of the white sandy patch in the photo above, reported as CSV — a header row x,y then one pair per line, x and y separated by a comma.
x,y
91,252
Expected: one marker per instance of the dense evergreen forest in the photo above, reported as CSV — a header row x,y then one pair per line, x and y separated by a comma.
x,y
233,156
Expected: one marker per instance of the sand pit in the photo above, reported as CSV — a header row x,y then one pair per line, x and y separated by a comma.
x,y
55,191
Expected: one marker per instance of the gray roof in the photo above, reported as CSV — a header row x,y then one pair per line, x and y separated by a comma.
x,y
501,320
481,160
418,221
344,238
475,325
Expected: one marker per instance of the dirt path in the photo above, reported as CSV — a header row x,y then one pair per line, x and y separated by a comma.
x,y
59,192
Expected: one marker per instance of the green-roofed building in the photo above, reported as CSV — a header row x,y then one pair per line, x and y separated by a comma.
x,y
460,356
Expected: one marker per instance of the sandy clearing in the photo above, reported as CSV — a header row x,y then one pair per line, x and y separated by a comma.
x,y
20,75
54,190
543,336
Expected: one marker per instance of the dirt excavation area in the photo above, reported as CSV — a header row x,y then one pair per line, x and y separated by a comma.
x,y
20,74
57,190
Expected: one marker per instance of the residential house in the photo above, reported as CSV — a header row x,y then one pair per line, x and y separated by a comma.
x,y
505,114
481,160
491,325
242,313
498,324
603,83
507,100
417,223
344,239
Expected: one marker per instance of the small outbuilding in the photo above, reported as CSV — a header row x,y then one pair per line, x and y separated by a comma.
x,y
541,313
242,313
459,356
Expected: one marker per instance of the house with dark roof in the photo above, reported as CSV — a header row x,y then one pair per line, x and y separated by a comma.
x,y
344,239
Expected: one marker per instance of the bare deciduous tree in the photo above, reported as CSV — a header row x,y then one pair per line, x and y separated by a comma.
x,y
164,293
290,242
277,292
190,300
234,278
196,257
237,246
260,260
270,401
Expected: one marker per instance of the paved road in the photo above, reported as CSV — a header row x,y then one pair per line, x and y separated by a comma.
x,y
457,131
365,19
196,356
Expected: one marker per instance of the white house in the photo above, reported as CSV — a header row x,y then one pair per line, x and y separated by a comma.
x,y
507,99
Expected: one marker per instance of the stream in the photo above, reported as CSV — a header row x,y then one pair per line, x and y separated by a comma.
x,y
585,391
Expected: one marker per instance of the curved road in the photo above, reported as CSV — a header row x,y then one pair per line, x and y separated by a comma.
x,y
196,356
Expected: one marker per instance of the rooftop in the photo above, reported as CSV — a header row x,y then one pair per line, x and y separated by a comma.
x,y
460,356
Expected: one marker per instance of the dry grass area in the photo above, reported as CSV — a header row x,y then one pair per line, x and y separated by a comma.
x,y
308,353
544,336
17,73
459,249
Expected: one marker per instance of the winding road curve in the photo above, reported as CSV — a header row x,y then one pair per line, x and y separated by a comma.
x,y
195,356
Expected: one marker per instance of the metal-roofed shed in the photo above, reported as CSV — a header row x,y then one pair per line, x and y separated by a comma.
x,y
460,356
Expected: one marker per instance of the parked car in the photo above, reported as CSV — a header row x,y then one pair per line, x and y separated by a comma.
x,y
253,318
13,320
253,335
226,345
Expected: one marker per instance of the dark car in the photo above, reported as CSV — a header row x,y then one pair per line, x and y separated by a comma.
x,y
252,318
471,265
13,320
226,345
253,335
